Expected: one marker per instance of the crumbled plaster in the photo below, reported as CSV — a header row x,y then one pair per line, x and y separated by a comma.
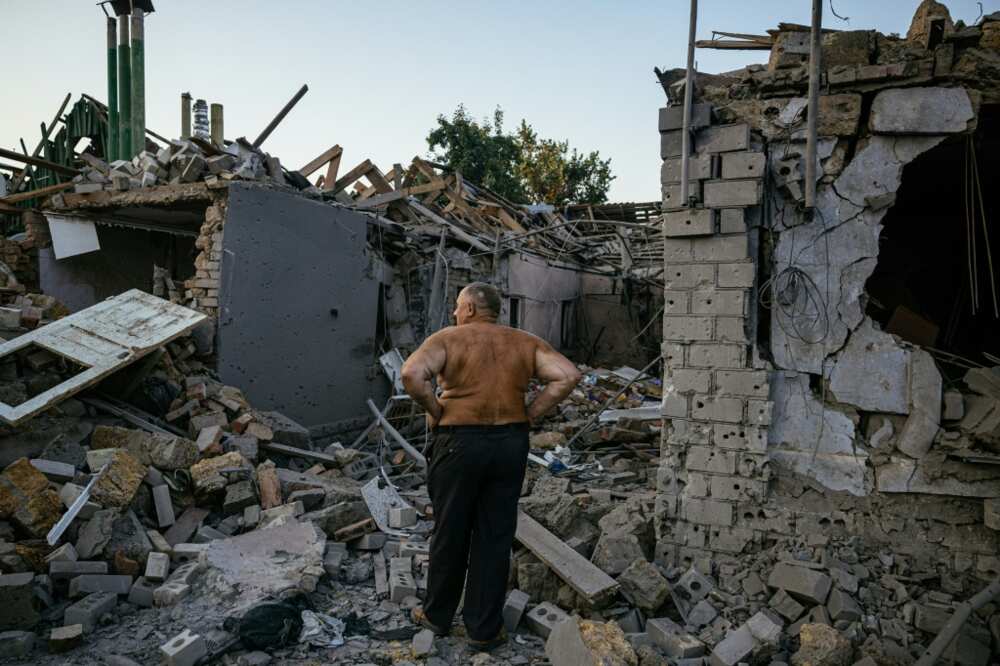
x,y
872,372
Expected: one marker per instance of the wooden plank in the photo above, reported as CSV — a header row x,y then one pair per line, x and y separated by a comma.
x,y
455,229
182,530
38,162
331,172
351,176
46,131
329,154
376,178
731,45
103,338
569,565
40,192
305,454
395,195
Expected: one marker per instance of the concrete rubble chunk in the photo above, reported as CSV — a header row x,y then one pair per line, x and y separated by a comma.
x,y
822,645
88,611
422,644
676,642
95,534
207,477
15,644
543,618
734,649
184,649
18,610
842,606
645,584
27,500
118,485
513,609
159,450
64,639
921,111
573,642
801,582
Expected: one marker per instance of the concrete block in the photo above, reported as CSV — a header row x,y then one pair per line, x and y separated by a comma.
x,y
239,496
141,593
687,380
759,412
513,609
88,611
765,626
741,437
689,222
89,583
64,639
205,534
991,513
689,276
157,567
736,275
786,606
732,221
16,644
673,197
64,553
743,165
671,144
170,593
671,637
674,406
731,193
54,470
66,569
686,328
707,512
717,408
164,506
751,383
189,552
720,248
954,405
737,488
722,138
251,516
803,583
311,498
18,610
677,250
544,617
735,648
676,302
716,356
370,541
401,585
672,117
693,586
702,614
185,573
184,649
708,459
702,167
402,516
921,111
842,606
715,302
731,329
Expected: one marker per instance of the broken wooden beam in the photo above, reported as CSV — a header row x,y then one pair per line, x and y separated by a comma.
x,y
46,131
395,195
327,155
351,176
572,567
40,192
38,162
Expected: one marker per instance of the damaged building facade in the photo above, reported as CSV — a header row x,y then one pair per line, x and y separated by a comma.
x,y
830,372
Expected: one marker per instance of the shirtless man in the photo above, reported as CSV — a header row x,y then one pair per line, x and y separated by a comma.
x,y
479,452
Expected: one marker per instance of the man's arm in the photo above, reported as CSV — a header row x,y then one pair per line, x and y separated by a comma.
x,y
418,375
560,377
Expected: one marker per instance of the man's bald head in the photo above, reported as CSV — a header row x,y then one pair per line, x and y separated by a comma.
x,y
479,301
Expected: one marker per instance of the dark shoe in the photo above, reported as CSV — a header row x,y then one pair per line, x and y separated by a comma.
x,y
418,616
490,644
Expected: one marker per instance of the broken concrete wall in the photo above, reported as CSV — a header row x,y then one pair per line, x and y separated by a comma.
x,y
548,297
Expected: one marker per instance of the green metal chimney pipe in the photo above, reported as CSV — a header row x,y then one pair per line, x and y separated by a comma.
x,y
124,91
138,83
112,145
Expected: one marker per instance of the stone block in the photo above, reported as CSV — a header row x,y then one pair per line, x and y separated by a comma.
x,y
184,649
743,165
722,138
88,611
64,639
736,275
689,222
19,607
720,248
735,648
604,644
686,380
644,583
732,193
702,614
141,593
717,408
164,506
206,474
157,567
803,583
170,593
402,516
752,383
786,606
422,644
87,584
732,221
708,459
672,117
689,276
544,617
15,644
707,512
513,609
921,111
238,497
117,486
701,168
687,328
27,500
67,569
716,302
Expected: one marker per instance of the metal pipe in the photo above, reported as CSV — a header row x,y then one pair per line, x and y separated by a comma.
x,y
138,123
392,432
951,628
218,126
124,90
688,99
815,64
186,115
112,146
281,116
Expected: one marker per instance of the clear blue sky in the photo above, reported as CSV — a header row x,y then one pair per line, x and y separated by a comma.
x,y
379,73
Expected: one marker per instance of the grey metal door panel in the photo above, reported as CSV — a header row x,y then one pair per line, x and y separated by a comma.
x,y
298,305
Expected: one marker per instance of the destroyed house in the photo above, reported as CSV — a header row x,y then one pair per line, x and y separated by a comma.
x,y
832,369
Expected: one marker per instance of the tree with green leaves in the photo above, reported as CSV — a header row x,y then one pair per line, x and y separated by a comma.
x,y
519,166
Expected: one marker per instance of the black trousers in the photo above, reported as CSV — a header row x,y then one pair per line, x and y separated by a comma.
x,y
474,481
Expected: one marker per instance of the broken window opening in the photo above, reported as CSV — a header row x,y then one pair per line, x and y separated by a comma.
x,y
515,312
934,253
31,371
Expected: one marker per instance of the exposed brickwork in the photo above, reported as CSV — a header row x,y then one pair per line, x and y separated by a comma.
x,y
201,292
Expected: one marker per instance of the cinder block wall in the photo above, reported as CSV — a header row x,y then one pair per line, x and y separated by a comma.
x,y
713,459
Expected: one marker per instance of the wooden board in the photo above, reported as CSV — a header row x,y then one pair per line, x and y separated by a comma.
x,y
102,338
565,562
330,154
